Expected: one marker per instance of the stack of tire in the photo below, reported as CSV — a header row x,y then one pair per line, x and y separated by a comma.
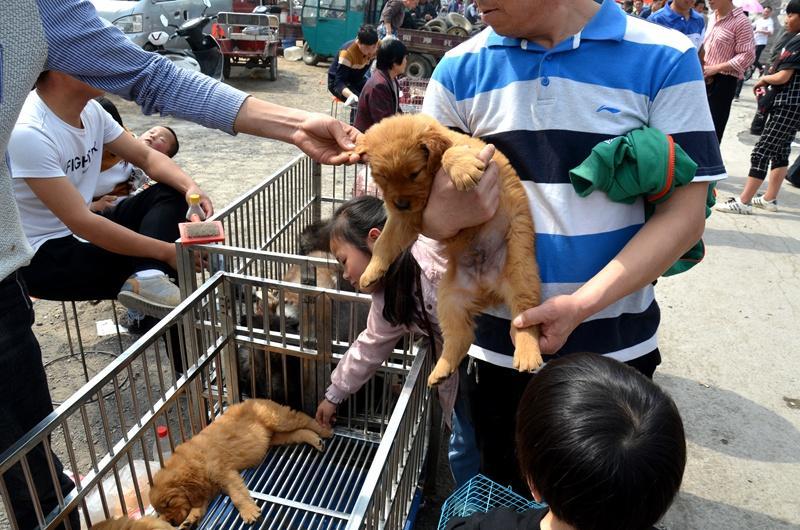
x,y
420,66
453,24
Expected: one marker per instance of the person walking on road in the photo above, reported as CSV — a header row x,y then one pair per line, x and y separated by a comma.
x,y
728,49
783,122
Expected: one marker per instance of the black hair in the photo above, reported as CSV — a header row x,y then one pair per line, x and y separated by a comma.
x,y
174,150
41,77
601,443
403,304
390,53
793,7
367,34
109,107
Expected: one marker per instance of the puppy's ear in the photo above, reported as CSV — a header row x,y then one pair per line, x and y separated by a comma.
x,y
435,143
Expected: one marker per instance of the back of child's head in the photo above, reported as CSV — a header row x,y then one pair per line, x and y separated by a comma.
x,y
352,221
602,444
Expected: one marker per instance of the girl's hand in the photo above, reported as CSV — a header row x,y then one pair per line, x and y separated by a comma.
x,y
326,413
759,84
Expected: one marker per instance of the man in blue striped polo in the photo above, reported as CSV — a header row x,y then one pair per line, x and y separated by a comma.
x,y
680,15
547,81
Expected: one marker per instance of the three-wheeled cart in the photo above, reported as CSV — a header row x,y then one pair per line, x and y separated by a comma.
x,y
249,40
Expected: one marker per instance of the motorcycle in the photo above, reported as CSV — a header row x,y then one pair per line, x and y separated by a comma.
x,y
204,53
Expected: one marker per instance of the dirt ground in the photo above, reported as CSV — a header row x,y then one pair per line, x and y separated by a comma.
x,y
226,167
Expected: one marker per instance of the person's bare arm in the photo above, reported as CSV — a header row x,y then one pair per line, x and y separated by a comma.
x,y
319,136
159,167
61,197
676,225
778,78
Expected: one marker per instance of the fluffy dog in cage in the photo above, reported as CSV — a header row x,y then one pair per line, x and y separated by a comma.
x,y
488,264
123,523
253,371
211,461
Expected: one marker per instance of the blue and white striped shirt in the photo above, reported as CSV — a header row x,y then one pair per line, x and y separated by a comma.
x,y
545,109
85,46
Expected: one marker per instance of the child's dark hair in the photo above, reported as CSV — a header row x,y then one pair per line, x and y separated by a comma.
x,y
109,107
390,53
177,146
602,444
367,34
403,303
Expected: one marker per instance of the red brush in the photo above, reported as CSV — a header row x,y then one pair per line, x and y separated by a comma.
x,y
197,231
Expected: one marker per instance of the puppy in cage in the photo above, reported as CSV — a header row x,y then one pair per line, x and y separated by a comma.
x,y
283,311
211,461
123,523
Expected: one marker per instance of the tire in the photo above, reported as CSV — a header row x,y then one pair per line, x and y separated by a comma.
x,y
273,68
226,67
309,57
148,47
457,31
418,67
436,23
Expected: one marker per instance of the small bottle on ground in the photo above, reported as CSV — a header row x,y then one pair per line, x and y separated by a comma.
x,y
162,441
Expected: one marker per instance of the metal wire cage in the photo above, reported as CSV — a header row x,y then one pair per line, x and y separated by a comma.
x,y
185,372
479,495
412,92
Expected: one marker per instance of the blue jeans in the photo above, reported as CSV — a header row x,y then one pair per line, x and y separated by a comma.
x,y
463,452
24,402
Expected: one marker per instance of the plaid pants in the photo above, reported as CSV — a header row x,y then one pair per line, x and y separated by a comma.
x,y
775,144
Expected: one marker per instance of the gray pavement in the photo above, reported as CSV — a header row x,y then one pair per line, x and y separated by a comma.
x,y
729,341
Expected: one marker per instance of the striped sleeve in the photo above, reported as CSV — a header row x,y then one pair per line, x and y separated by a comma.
x,y
84,46
692,128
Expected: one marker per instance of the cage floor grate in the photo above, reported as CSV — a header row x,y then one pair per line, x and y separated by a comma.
x,y
299,488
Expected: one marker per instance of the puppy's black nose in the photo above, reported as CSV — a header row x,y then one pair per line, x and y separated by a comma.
x,y
402,204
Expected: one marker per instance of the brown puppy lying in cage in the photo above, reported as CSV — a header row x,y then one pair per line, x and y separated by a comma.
x,y
210,462
488,264
123,523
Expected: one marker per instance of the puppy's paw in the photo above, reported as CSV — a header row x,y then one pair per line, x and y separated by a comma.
x,y
464,168
440,372
527,355
372,275
250,513
318,444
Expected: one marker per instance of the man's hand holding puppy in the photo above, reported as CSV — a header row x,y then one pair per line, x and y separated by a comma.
x,y
450,210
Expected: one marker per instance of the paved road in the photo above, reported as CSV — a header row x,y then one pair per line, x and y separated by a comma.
x,y
730,345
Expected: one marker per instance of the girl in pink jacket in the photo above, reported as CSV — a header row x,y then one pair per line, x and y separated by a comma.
x,y
410,305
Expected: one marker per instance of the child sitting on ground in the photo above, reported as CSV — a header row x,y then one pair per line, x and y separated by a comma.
x,y
409,305
600,443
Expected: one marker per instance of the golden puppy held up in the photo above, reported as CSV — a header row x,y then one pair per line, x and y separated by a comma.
x,y
488,264
210,462
145,523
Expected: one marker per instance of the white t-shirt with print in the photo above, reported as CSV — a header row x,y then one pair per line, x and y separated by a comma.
x,y
763,24
44,146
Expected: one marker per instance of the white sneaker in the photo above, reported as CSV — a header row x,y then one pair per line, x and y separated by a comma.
x,y
760,202
154,296
734,205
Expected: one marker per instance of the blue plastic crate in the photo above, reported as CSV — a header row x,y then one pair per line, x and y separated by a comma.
x,y
480,495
